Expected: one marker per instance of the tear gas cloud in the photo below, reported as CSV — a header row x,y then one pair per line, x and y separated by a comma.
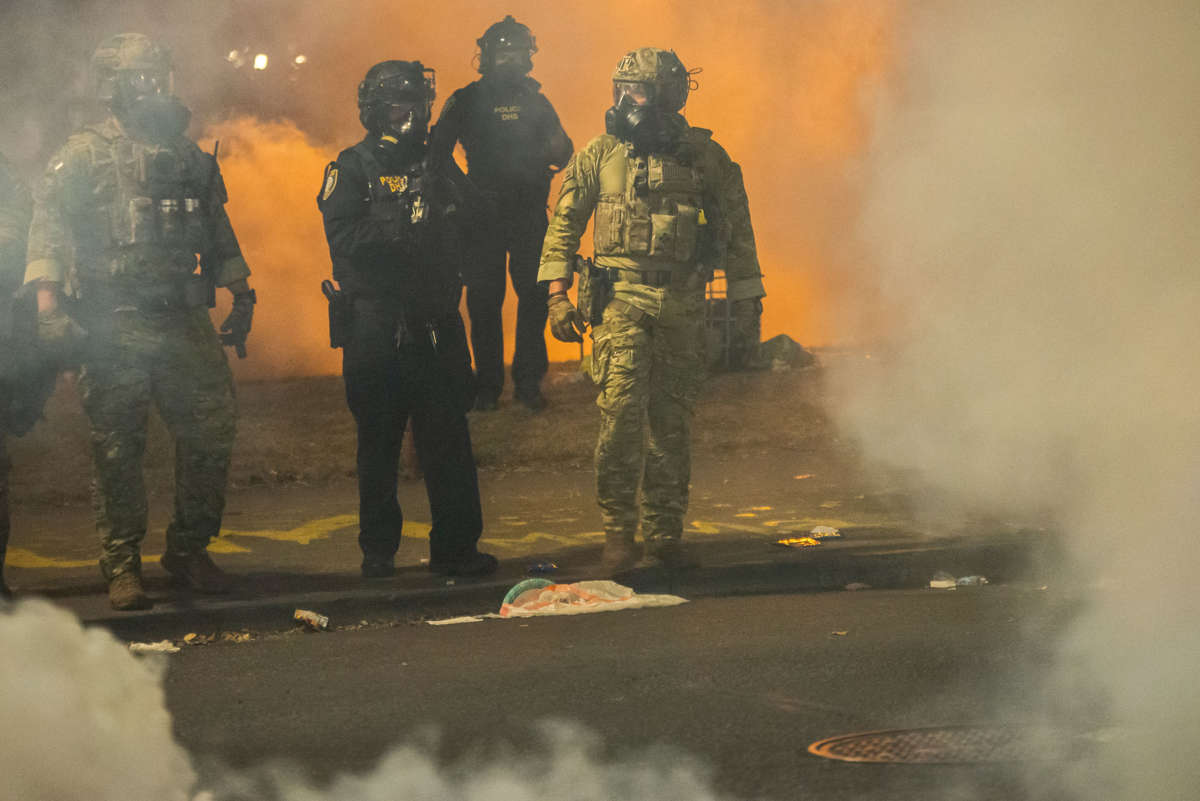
x,y
1030,204
83,718
780,87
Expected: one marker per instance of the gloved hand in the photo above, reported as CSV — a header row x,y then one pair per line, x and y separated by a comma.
x,y
566,323
236,327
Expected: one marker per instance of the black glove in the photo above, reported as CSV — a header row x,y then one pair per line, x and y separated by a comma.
x,y
236,327
566,323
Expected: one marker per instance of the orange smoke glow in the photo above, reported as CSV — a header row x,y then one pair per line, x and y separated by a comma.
x,y
783,87
272,171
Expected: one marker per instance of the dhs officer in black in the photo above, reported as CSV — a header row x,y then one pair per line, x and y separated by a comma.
x,y
514,143
394,230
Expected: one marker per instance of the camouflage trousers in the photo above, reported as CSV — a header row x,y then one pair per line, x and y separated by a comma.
x,y
175,361
650,372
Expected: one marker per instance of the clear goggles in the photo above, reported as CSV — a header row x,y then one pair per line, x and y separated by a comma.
x,y
639,93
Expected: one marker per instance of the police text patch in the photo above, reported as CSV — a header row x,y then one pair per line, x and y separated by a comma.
x,y
394,183
330,182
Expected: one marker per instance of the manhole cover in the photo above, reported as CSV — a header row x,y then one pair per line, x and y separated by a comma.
x,y
946,745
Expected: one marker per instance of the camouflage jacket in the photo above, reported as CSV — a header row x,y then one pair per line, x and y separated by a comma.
x,y
94,214
702,211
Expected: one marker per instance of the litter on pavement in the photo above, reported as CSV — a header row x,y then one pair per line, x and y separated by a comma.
x,y
579,598
855,586
450,621
538,597
798,542
944,581
311,620
160,647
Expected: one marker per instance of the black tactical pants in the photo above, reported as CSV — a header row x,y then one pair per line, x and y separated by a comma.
x,y
386,384
513,235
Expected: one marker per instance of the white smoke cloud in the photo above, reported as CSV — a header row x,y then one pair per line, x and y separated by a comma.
x,y
82,718
85,719
1031,206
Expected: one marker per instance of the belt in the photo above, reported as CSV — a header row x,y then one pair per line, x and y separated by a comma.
x,y
656,278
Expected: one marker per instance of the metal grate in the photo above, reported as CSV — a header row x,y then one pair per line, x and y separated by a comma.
x,y
948,744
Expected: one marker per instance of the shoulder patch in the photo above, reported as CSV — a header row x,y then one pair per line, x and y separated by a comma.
x,y
331,176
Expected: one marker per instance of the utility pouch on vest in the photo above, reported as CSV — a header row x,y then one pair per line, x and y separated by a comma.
x,y
670,177
639,235
609,234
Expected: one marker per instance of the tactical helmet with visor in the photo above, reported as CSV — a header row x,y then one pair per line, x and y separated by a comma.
x,y
130,67
507,45
397,97
652,76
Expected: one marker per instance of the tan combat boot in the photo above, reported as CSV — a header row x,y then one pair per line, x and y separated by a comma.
x,y
125,592
621,552
197,572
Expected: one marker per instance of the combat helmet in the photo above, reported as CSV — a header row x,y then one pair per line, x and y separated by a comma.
x,y
131,65
506,35
660,71
391,83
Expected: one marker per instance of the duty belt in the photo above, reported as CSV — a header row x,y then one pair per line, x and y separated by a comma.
x,y
656,278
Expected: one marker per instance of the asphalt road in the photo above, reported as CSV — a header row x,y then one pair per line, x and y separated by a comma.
x,y
742,685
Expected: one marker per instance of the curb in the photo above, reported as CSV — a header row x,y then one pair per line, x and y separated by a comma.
x,y
729,568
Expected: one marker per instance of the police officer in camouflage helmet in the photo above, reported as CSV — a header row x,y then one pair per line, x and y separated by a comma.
x,y
514,143
669,207
120,218
395,228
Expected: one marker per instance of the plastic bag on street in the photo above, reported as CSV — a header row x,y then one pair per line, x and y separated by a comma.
x,y
540,597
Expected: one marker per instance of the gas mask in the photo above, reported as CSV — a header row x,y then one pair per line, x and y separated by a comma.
x,y
643,126
158,117
144,101
510,65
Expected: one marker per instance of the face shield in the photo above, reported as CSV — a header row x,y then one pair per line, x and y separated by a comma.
x,y
512,57
404,103
134,85
639,94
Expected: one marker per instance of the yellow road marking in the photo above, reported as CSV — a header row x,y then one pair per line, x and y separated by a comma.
x,y
21,557
304,533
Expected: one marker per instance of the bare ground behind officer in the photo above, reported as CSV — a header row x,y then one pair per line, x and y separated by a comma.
x,y
670,207
395,230
123,211
514,143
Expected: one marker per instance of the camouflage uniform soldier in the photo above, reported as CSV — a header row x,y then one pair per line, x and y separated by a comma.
x,y
14,223
669,207
122,213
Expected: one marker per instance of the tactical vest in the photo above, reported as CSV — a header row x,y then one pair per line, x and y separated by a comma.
x,y
504,139
149,207
393,197
649,209
401,198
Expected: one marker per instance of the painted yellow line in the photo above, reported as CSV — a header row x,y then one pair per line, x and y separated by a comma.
x,y
21,557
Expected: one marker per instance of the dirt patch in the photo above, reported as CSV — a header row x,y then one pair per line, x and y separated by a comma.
x,y
299,432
